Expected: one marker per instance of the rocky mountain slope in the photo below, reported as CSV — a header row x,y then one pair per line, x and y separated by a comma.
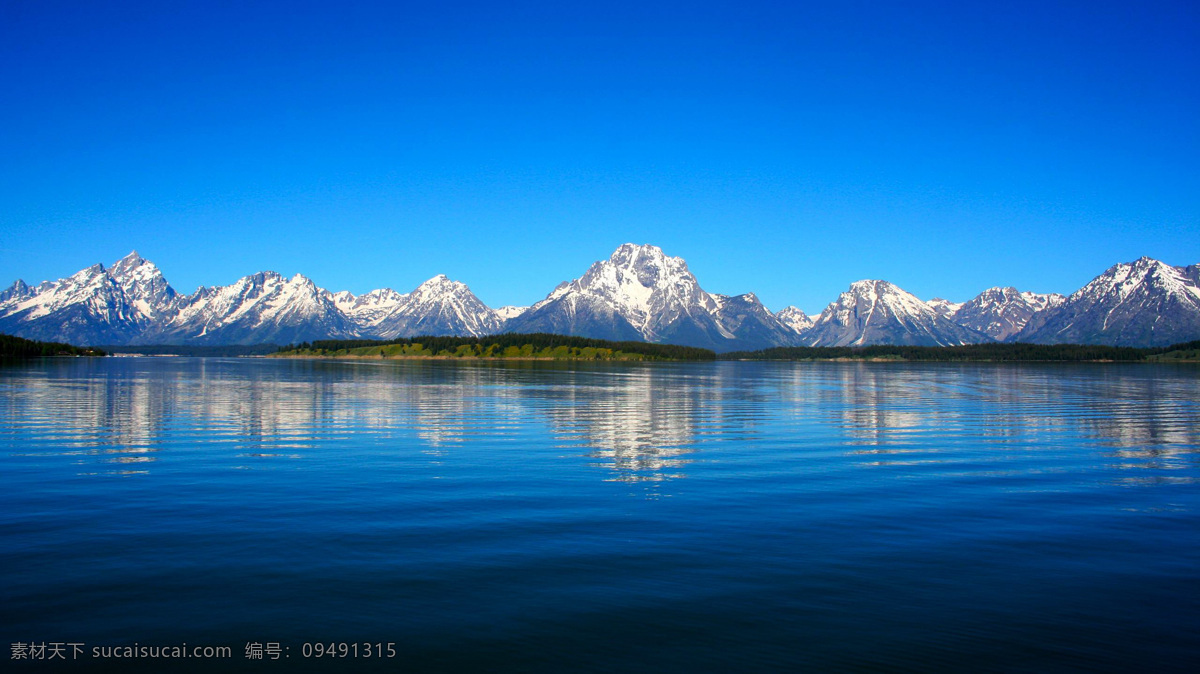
x,y
795,319
261,308
1001,313
640,293
93,306
877,312
1140,303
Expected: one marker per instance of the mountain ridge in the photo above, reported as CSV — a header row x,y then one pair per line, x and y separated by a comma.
x,y
638,294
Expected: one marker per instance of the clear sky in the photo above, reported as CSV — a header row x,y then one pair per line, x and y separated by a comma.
x,y
784,148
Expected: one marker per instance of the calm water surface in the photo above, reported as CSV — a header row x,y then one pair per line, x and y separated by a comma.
x,y
672,517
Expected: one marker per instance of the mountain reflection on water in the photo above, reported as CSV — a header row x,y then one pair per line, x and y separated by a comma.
x,y
636,422
539,516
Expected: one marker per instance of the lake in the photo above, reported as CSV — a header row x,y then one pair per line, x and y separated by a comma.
x,y
537,516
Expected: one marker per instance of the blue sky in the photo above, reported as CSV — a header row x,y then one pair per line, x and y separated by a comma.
x,y
782,148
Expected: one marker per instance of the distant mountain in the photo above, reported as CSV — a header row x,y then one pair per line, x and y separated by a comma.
x,y
509,312
1001,313
368,310
261,308
640,293
18,290
144,286
795,319
877,312
944,308
1140,303
92,306
438,306
750,324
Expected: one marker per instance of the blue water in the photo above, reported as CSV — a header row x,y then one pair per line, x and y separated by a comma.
x,y
623,517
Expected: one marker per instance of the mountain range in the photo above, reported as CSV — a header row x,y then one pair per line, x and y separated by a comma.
x,y
638,293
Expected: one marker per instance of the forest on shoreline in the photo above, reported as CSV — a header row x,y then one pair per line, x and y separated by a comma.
x,y
19,347
545,346
984,353
510,346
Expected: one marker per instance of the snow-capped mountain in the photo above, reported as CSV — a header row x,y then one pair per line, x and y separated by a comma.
x,y
640,293
795,319
752,325
438,306
132,303
258,309
92,306
944,308
1001,313
1140,303
877,312
509,312
19,289
144,285
369,309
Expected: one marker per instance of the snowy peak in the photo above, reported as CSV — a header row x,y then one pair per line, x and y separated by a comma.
x,y
509,311
642,293
144,285
439,306
262,307
795,319
438,288
1001,313
19,289
878,312
641,283
368,308
1140,277
637,293
130,262
944,308
1144,302
94,305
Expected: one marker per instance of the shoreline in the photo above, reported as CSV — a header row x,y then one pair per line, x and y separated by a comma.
x,y
717,360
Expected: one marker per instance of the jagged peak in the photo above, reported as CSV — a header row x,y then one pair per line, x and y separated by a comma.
x,y
19,288
626,251
511,311
380,294
1002,292
89,272
1141,265
866,283
632,255
871,286
438,289
132,258
439,281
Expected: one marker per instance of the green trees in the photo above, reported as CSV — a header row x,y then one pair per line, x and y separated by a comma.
x,y
994,352
508,345
18,347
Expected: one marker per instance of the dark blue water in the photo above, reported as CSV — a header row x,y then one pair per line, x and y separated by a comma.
x,y
534,517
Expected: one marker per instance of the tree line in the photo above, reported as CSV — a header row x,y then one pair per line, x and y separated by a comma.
x,y
506,345
19,347
995,352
